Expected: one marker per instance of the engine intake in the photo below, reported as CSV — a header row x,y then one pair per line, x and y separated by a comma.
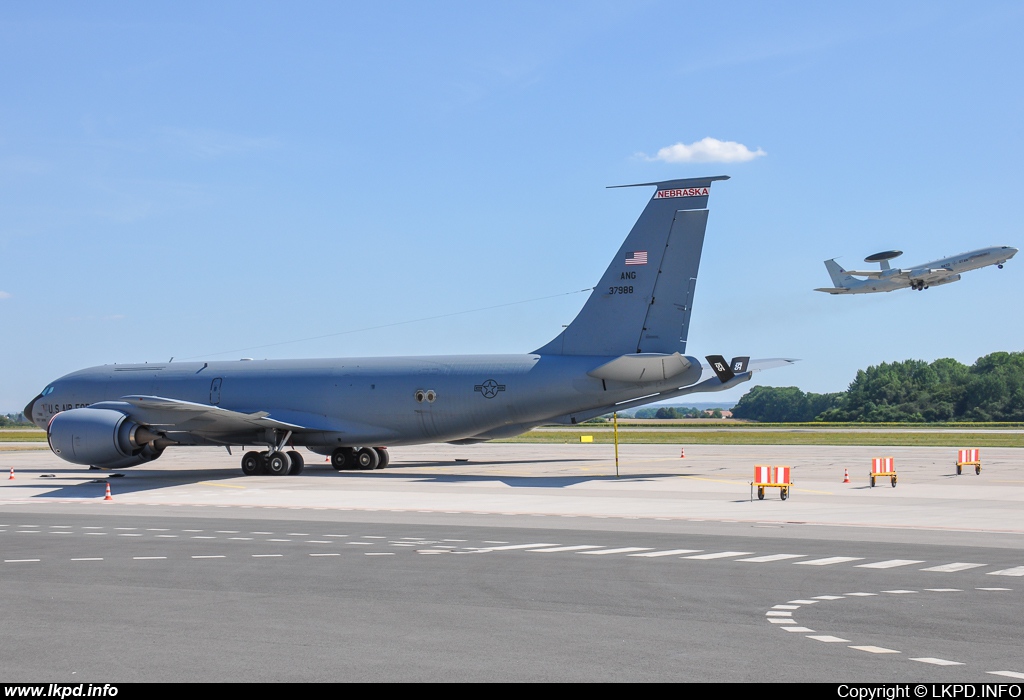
x,y
101,437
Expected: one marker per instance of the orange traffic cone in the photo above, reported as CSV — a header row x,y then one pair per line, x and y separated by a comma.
x,y
107,497
846,476
11,478
682,453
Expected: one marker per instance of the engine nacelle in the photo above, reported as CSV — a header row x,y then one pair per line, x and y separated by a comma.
x,y
100,437
945,280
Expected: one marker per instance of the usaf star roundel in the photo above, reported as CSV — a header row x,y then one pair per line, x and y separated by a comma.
x,y
489,389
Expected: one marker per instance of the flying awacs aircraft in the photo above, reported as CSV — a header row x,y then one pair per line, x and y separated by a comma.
x,y
625,348
930,274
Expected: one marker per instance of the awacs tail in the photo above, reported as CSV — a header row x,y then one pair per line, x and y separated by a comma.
x,y
840,278
642,303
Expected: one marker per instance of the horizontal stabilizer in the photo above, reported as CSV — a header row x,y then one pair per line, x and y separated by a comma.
x,y
834,290
876,274
644,367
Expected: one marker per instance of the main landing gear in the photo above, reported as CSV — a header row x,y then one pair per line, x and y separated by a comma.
x,y
273,463
363,458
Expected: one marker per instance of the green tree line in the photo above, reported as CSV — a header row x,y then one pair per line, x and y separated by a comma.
x,y
990,390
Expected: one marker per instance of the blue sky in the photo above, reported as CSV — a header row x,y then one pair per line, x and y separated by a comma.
x,y
206,179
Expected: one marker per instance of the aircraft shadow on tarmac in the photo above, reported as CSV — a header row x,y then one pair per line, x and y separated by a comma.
x,y
93,483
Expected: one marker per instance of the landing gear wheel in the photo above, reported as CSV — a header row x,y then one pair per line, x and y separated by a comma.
x,y
977,469
383,458
278,464
785,493
760,493
251,463
894,482
959,470
341,458
872,481
367,458
297,463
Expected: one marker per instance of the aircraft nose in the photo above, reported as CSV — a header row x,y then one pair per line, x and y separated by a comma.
x,y
28,410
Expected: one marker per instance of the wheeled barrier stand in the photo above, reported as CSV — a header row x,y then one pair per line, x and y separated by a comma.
x,y
883,466
968,458
766,477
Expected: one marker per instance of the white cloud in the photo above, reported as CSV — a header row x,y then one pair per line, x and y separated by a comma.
x,y
707,150
4,295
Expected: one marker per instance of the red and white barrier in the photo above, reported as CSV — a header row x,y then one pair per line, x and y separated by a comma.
x,y
883,466
968,456
762,474
781,475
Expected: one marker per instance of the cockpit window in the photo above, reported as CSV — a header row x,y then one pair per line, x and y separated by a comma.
x,y
48,390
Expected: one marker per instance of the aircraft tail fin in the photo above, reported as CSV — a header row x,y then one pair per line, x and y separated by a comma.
x,y
838,274
642,303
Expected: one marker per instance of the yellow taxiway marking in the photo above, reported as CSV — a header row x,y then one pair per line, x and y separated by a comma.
x,y
223,486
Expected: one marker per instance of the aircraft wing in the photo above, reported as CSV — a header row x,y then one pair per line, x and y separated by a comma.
x,y
186,416
877,274
928,275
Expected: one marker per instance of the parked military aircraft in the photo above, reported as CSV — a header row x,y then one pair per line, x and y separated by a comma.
x,y
624,349
930,274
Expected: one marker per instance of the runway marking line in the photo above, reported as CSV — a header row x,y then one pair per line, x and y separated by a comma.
x,y
772,557
717,555
1008,674
860,595
87,559
994,589
955,566
899,591
826,638
619,550
827,561
797,629
17,561
889,564
937,662
267,555
666,553
149,557
1015,571
945,590
875,650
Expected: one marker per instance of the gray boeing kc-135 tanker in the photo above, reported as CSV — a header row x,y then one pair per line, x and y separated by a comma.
x,y
626,348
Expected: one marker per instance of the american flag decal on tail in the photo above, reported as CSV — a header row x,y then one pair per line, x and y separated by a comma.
x,y
637,258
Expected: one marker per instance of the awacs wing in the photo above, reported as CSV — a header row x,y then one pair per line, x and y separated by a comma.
x,y
928,275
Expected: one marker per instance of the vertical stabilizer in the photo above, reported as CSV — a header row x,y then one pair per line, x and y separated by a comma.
x,y
643,301
838,274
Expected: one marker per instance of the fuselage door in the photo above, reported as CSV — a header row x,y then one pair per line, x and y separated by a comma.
x,y
215,391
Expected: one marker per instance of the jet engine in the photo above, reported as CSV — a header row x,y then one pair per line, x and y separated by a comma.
x,y
945,280
101,437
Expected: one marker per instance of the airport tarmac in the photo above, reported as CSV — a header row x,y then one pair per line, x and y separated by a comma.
x,y
526,562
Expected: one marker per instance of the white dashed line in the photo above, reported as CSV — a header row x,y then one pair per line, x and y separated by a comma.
x,y
778,613
169,536
519,546
570,548
780,620
803,602
945,590
379,554
899,591
890,564
1008,674
785,607
772,557
827,561
667,553
149,557
88,559
129,534
619,550
717,555
267,555
208,556
247,539
17,561
1015,571
861,595
993,589
937,662
955,566
797,629
829,597
876,650
827,638
328,554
